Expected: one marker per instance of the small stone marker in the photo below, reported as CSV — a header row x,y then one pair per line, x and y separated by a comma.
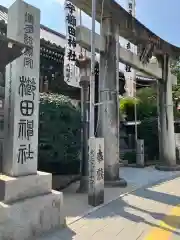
x,y
96,171
177,139
140,153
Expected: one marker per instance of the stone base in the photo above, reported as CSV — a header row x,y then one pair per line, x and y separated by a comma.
x,y
116,183
31,217
167,168
17,188
134,165
123,163
96,199
140,165
111,172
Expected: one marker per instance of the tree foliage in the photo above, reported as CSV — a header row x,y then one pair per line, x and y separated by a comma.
x,y
175,69
147,104
127,107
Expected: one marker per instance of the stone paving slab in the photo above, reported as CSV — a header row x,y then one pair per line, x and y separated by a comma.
x,y
76,205
175,237
130,217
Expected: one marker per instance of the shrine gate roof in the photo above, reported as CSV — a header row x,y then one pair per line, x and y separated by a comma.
x,y
130,28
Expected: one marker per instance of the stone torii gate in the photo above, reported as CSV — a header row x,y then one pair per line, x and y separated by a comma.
x,y
116,22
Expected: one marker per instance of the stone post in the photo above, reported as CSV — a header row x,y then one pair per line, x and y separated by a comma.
x,y
41,84
167,150
28,206
108,111
140,153
96,172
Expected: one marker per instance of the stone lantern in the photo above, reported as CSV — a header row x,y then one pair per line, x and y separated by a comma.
x,y
84,65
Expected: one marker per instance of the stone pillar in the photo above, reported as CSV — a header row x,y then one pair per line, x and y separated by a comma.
x,y
108,111
21,186
167,152
140,153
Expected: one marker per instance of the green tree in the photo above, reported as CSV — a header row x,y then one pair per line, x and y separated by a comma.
x,y
147,104
175,69
127,107
145,101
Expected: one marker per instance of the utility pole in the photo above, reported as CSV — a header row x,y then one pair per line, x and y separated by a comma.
x,y
132,10
92,76
129,72
134,78
84,66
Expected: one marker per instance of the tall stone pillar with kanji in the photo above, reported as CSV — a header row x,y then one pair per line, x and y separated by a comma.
x,y
30,206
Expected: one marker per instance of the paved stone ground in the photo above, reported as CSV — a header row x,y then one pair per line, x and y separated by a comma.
x,y
75,205
132,217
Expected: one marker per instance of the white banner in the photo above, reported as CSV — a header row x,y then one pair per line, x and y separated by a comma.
x,y
71,72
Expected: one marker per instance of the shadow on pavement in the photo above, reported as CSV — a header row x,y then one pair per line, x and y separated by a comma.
x,y
63,234
119,208
157,196
171,220
130,208
123,209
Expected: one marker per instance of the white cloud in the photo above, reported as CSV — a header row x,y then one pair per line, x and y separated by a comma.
x,y
6,3
59,1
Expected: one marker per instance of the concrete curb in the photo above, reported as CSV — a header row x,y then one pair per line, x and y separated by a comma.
x,y
167,179
167,168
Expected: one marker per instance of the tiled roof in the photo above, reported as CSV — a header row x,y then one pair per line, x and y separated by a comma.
x,y
47,34
3,13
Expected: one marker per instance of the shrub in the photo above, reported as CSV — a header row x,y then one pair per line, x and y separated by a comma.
x,y
130,156
59,135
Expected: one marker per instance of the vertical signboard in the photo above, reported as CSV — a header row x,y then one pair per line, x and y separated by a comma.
x,y
71,72
22,93
96,171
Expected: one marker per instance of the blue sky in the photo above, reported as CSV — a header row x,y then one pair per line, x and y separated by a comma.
x,y
161,16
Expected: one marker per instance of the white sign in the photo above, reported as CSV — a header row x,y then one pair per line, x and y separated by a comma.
x,y
96,168
22,93
130,86
71,72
